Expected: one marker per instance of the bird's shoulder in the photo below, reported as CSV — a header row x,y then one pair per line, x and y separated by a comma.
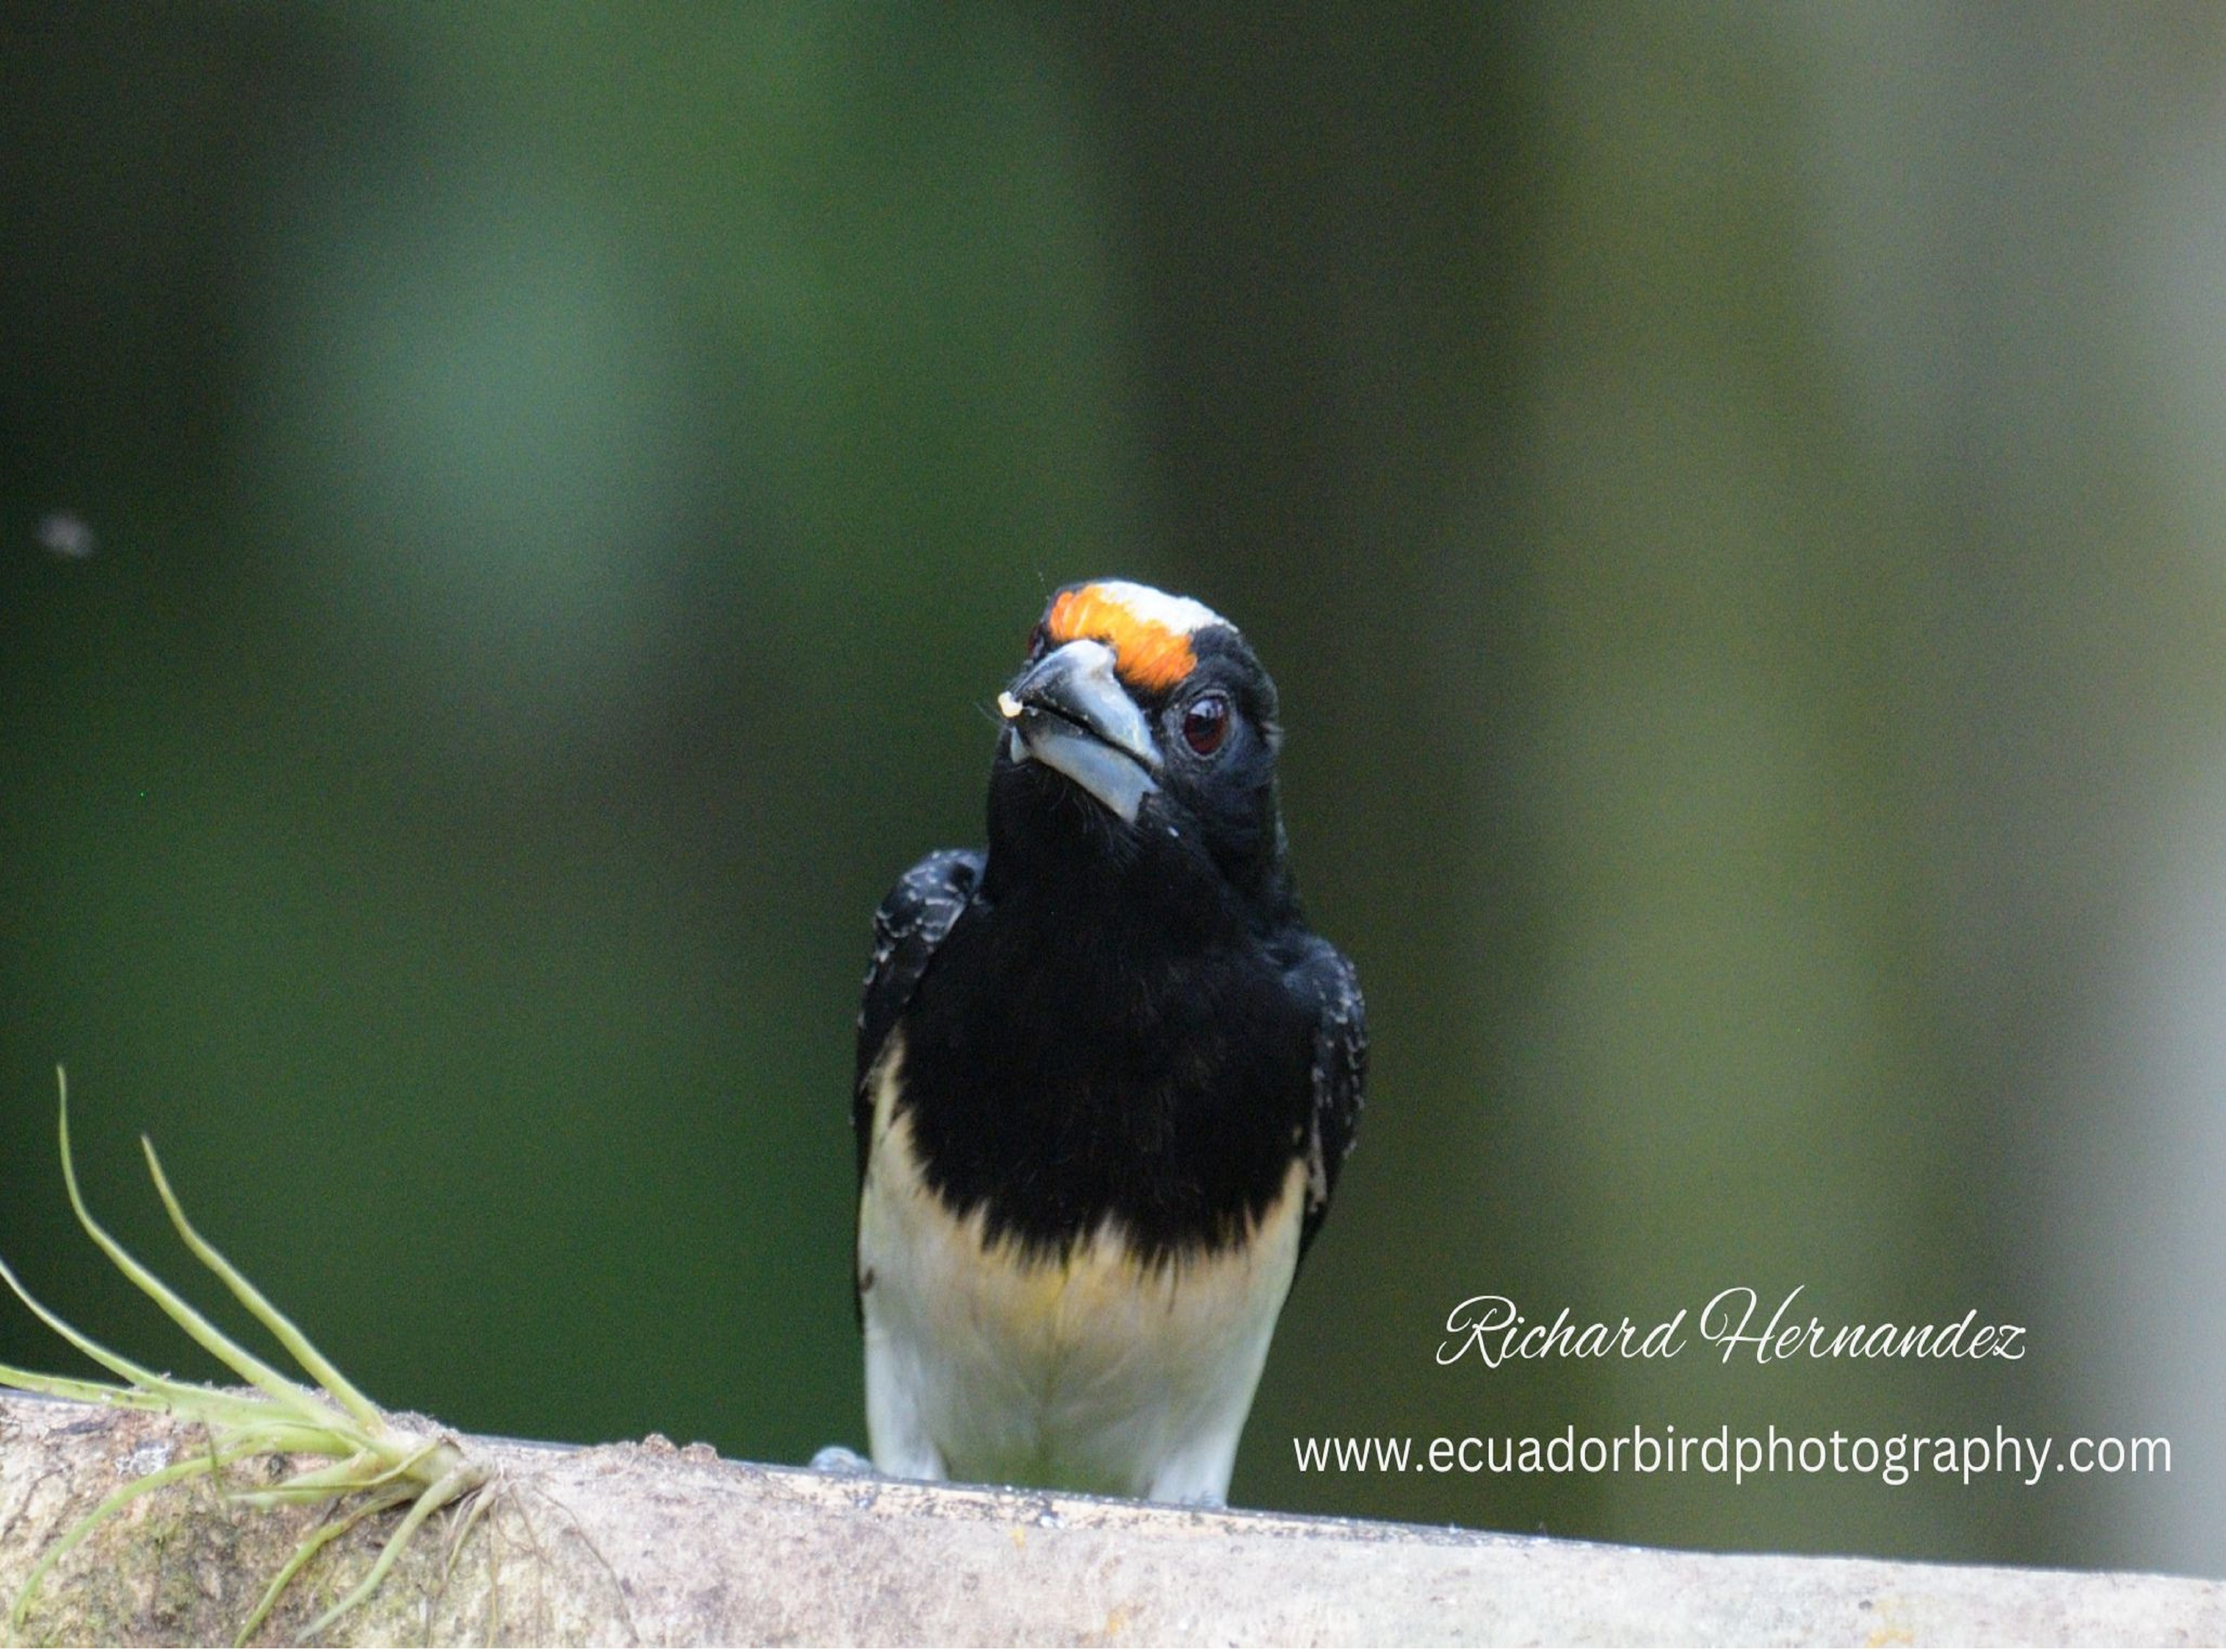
x,y
913,918
1323,979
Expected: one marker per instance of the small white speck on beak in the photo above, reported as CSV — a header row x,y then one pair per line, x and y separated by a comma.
x,y
1007,707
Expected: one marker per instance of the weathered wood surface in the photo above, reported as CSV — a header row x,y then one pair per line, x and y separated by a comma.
x,y
620,1544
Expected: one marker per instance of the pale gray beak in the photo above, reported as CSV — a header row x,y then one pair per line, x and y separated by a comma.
x,y
1069,712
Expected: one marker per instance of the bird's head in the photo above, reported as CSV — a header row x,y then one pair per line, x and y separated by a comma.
x,y
1141,725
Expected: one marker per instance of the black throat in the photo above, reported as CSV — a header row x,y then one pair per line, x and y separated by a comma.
x,y
1105,1034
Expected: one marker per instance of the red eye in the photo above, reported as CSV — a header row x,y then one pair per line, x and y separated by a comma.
x,y
1206,724
1038,639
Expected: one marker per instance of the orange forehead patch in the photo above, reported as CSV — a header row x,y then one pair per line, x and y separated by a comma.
x,y
1147,650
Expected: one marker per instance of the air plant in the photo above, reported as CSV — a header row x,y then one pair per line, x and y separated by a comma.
x,y
372,1464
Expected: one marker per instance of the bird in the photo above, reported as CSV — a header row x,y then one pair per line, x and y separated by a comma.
x,y
1106,1076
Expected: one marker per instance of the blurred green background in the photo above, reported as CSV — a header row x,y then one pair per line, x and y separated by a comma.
x,y
510,518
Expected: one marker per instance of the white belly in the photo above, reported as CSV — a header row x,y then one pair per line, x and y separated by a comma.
x,y
1089,1372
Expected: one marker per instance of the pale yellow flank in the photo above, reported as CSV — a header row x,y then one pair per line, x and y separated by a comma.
x,y
1092,1368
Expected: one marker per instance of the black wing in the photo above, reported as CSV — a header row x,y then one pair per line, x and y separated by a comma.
x,y
1325,977
912,923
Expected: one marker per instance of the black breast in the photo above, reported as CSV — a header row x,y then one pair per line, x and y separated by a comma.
x,y
1061,1067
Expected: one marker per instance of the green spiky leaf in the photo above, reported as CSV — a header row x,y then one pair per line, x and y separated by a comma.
x,y
371,1465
